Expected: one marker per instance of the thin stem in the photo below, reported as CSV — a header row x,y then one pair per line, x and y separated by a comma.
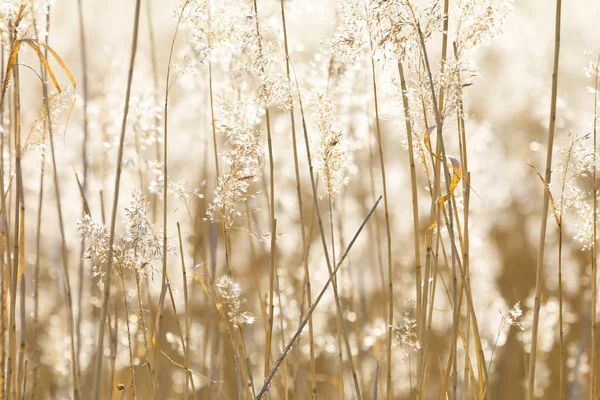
x,y
561,344
4,269
271,190
313,373
158,346
456,314
129,347
183,343
186,311
594,273
324,244
154,63
12,334
108,270
413,185
211,95
36,281
313,306
21,277
339,323
36,270
466,184
71,324
84,86
164,283
547,178
441,151
390,319
271,301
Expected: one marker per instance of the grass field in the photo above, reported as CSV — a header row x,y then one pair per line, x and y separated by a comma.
x,y
299,199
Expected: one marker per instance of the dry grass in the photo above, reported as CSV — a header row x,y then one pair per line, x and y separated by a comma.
x,y
298,199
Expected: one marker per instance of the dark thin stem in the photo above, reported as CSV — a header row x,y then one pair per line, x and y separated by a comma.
x,y
413,184
294,339
164,284
324,244
109,266
441,151
84,86
594,272
301,213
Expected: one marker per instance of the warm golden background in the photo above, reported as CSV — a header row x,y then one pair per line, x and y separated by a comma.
x,y
229,93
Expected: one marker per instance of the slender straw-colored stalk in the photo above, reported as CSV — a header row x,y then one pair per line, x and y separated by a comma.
x,y
129,346
286,375
143,321
441,151
483,374
456,310
154,63
444,55
236,348
466,183
12,333
413,186
561,342
158,345
339,323
153,58
232,334
388,232
164,283
36,279
3,273
547,178
376,382
431,257
84,88
253,259
482,368
594,277
84,156
36,268
375,228
3,323
271,190
21,375
113,334
24,385
108,270
18,199
330,268
186,310
184,346
271,301
313,373
6,279
559,216
211,96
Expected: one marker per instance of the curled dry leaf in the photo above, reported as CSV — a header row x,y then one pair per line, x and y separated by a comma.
x,y
548,192
454,165
451,162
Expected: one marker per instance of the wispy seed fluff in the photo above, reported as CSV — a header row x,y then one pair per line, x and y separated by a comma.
x,y
240,123
480,22
230,294
58,103
135,251
332,147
